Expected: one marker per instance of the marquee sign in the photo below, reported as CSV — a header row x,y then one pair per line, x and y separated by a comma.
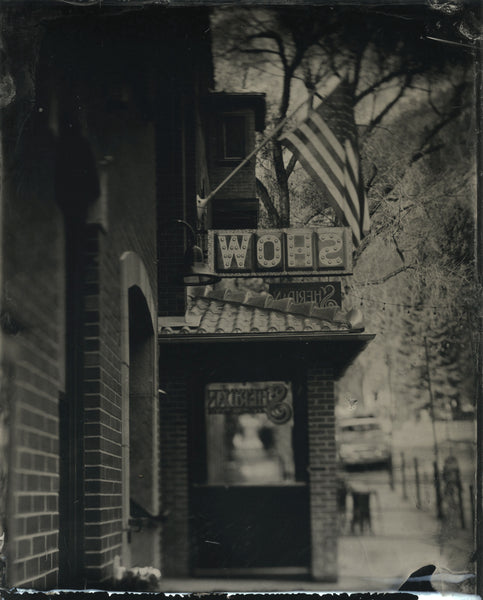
x,y
277,252
271,397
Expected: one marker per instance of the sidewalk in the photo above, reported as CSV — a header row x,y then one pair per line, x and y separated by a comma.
x,y
403,540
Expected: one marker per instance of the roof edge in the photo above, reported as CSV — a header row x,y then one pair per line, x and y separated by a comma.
x,y
288,336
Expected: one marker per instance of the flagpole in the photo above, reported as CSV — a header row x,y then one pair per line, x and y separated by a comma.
x,y
202,202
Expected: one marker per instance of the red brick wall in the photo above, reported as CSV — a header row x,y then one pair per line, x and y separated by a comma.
x,y
32,362
174,416
131,226
176,197
33,247
102,402
175,379
32,534
322,469
242,185
34,294
176,148
150,182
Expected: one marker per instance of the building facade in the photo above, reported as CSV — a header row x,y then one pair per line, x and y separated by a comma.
x,y
248,452
97,114
249,462
140,418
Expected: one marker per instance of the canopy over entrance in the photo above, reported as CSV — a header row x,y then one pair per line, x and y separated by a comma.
x,y
249,451
257,325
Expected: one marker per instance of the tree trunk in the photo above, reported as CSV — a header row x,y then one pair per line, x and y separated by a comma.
x,y
282,181
270,207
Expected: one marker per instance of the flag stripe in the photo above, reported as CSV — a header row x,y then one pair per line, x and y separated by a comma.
x,y
332,178
326,146
333,170
352,196
314,168
305,148
324,175
349,152
327,133
360,194
352,187
323,151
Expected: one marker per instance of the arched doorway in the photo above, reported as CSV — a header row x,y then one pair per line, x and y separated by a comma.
x,y
140,419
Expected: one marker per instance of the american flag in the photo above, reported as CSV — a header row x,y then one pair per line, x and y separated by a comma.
x,y
325,144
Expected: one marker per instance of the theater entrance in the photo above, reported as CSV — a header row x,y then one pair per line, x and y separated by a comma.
x,y
249,493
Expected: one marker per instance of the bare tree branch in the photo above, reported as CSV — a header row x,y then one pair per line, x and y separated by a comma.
x,y
422,153
273,35
404,71
387,276
291,165
357,68
261,51
312,216
268,203
376,120
398,249
457,109
371,178
432,104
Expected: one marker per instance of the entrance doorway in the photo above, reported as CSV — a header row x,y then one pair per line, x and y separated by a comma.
x,y
143,539
249,497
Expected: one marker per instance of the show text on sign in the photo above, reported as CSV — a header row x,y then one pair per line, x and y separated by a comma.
x,y
277,251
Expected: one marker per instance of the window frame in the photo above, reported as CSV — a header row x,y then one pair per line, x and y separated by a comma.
x,y
222,137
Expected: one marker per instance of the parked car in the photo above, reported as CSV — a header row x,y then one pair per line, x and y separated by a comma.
x,y
362,441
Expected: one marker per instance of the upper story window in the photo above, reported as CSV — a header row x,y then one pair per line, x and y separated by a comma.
x,y
233,142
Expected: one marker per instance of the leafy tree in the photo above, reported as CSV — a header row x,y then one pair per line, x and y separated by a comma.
x,y
425,288
292,51
413,101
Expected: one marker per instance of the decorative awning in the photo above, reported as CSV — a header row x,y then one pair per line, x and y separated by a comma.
x,y
226,312
250,327
247,324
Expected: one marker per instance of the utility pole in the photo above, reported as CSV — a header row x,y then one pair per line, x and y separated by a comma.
x,y
392,414
478,520
437,482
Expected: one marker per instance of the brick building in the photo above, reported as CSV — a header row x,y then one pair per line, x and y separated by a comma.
x,y
98,107
248,456
109,452
246,516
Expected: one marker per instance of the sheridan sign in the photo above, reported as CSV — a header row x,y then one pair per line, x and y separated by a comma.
x,y
276,252
324,294
274,398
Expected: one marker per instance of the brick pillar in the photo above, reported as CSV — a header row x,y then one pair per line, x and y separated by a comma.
x,y
322,469
174,469
102,413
